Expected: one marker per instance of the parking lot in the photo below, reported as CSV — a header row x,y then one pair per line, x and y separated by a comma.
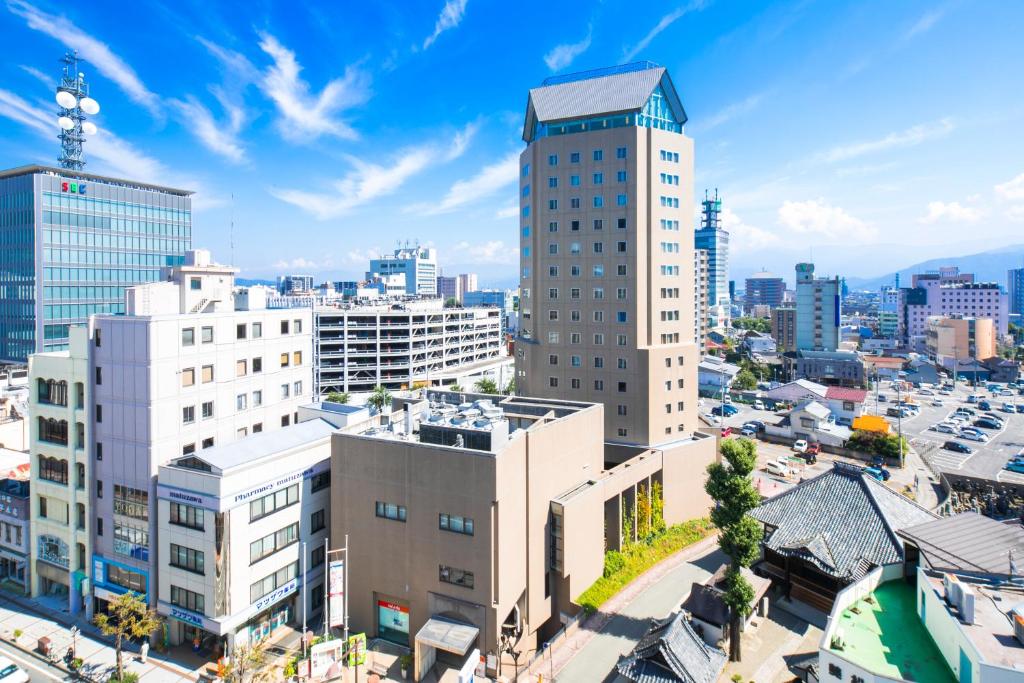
x,y
986,461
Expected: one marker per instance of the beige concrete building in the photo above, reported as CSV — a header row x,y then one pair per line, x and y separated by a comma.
x,y
952,339
784,329
700,297
607,306
475,521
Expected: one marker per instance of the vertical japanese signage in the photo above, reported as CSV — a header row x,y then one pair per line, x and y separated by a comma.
x,y
336,592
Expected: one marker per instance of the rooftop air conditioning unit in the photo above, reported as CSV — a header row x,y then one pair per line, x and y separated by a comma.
x,y
966,604
1018,627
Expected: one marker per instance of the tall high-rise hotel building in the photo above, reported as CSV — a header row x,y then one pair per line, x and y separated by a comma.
x,y
607,301
71,243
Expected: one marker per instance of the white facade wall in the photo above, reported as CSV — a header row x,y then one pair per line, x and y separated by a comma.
x,y
225,498
141,363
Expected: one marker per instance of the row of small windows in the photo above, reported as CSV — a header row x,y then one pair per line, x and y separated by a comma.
x,y
670,156
574,292
669,225
125,225
574,271
620,316
598,203
574,157
574,181
113,207
101,275
670,247
575,248
670,202
669,179
575,338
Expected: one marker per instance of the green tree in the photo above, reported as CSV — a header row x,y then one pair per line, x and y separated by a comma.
x,y
657,509
643,513
745,379
756,324
128,618
730,487
485,385
379,398
454,387
338,397
451,302
510,388
250,664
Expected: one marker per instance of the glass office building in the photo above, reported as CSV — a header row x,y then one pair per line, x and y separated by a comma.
x,y
71,242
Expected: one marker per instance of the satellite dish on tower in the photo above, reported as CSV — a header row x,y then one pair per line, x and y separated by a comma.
x,y
66,99
89,106
65,123
89,128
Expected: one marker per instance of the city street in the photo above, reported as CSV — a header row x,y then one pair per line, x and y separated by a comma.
x,y
37,671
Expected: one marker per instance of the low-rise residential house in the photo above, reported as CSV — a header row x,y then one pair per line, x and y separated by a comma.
x,y
831,530
883,367
714,376
952,612
840,368
846,403
754,342
813,422
1002,369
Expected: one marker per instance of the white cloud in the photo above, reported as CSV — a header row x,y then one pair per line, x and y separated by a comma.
x,y
1015,213
235,64
952,212
367,181
450,17
562,56
925,23
489,180
1012,189
304,115
662,24
94,51
914,135
728,113
510,210
492,252
300,263
49,81
220,137
744,237
818,218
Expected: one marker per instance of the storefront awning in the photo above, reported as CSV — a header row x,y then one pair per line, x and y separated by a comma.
x,y
446,635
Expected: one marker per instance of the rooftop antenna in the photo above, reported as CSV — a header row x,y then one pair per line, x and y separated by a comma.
x,y
74,104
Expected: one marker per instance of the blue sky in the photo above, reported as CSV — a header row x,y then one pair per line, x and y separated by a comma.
x,y
866,135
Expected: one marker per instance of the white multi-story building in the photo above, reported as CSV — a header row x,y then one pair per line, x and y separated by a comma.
x,y
418,264
402,344
241,526
61,523
952,294
818,310
191,366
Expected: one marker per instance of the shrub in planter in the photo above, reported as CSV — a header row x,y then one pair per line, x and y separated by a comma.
x,y
17,633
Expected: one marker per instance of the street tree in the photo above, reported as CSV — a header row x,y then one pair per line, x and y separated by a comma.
x,y
485,385
250,664
729,485
379,398
128,618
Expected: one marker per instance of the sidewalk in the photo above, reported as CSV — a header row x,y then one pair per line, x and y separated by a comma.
x,y
564,652
98,654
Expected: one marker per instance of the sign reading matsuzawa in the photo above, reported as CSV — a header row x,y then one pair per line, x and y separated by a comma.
x,y
219,503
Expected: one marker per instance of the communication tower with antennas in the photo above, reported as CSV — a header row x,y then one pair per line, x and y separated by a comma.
x,y
74,106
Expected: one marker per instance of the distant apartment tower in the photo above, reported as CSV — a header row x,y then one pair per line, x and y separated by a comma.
x,y
890,313
784,328
951,340
191,365
289,284
449,288
1015,290
606,305
72,242
418,264
818,310
502,299
952,294
700,297
715,240
468,282
763,289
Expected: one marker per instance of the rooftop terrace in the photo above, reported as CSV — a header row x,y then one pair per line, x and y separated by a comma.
x,y
884,635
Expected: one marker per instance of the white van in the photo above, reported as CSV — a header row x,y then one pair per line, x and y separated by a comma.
x,y
777,468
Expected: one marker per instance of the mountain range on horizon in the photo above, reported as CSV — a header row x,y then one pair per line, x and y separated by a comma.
x,y
987,266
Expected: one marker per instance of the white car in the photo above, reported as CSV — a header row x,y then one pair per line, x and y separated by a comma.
x,y
758,404
945,428
11,672
937,402
777,468
974,436
926,392
800,446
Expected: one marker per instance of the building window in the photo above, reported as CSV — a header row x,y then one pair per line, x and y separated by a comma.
x,y
99,376
621,409
131,541
188,414
195,284
187,516
207,335
53,469
284,327
598,155
257,398
207,374
257,330
271,543
241,402
574,157
297,326
207,409
271,503
240,331
320,481
598,385
552,160
553,382
598,178
186,599
187,558
598,201
598,224
455,524
125,578
241,368
456,577
99,412
620,153
208,442
317,522
129,502
188,336
622,387
316,558
285,358
285,390
390,511
257,365
269,584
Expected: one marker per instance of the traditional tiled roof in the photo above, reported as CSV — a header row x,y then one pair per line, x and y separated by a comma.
x,y
672,652
841,521
846,394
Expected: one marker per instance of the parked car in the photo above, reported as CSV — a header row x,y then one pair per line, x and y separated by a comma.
x,y
727,410
926,392
1008,408
945,428
1006,392
1020,407
1017,467
936,402
727,399
966,411
994,417
726,431
987,423
973,398
748,432
758,404
879,473
776,468
974,436
957,447
844,421
800,446
11,672
756,425
983,405
882,398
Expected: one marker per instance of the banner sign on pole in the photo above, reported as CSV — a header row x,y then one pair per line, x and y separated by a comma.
x,y
336,592
357,649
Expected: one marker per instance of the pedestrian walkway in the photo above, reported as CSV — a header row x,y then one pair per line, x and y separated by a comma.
x,y
99,658
590,653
